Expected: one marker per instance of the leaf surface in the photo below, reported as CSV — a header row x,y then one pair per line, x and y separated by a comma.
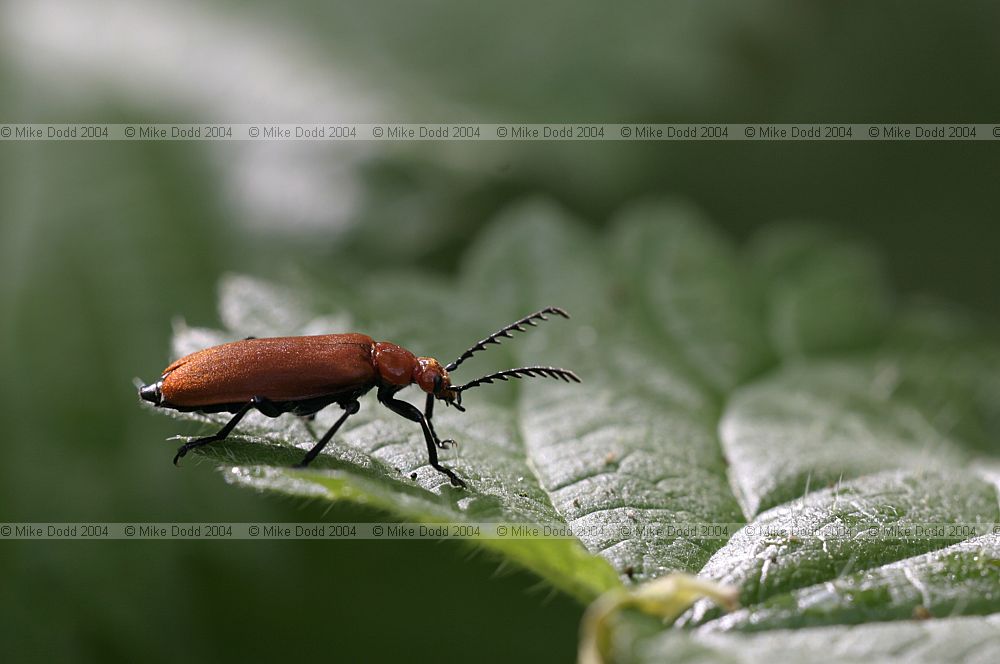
x,y
781,386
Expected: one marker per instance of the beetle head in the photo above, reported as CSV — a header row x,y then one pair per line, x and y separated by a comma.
x,y
433,379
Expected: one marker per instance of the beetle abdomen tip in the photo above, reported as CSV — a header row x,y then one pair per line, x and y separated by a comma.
x,y
151,393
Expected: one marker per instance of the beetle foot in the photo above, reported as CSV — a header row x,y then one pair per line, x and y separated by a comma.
x,y
455,479
191,444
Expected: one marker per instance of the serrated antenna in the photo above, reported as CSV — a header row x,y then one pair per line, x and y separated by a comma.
x,y
522,372
506,333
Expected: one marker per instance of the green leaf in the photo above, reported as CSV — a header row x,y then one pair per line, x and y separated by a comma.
x,y
960,579
781,387
959,640
822,293
684,281
801,544
812,424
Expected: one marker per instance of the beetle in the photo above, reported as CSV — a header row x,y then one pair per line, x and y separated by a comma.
x,y
303,375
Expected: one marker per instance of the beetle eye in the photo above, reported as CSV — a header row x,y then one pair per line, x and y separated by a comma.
x,y
437,383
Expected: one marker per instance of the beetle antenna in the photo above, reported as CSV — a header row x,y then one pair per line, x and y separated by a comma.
x,y
506,332
522,372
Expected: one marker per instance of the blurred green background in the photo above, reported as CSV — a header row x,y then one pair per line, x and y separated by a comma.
x,y
103,245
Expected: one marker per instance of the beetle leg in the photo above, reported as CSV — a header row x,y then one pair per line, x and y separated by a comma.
x,y
350,408
428,414
412,413
219,435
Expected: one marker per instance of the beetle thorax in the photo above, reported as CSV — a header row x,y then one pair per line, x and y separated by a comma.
x,y
394,364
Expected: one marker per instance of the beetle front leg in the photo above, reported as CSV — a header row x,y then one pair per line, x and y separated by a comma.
x,y
412,413
445,444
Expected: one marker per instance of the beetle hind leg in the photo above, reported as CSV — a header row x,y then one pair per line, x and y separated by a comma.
x,y
262,404
221,434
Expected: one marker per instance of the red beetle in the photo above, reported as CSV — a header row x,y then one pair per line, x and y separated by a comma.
x,y
303,375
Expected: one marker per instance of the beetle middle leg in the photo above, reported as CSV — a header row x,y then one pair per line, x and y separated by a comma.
x,y
412,413
263,404
350,408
